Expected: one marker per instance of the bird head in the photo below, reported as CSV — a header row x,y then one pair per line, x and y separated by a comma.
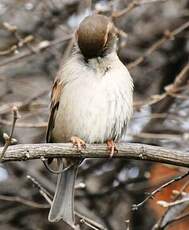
x,y
96,36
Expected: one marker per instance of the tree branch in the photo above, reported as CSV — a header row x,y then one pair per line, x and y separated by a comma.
x,y
43,45
167,36
23,152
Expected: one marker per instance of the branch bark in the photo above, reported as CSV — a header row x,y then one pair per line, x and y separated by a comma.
x,y
134,151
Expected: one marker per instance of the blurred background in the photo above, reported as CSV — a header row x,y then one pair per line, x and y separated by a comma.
x,y
35,37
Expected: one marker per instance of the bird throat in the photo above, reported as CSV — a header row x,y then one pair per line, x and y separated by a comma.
x,y
99,65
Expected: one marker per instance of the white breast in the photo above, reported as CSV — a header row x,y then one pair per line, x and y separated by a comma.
x,y
96,102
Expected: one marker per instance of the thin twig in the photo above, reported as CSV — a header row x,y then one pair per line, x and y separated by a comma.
x,y
127,222
48,197
88,224
181,217
42,46
23,201
168,35
132,5
152,194
167,100
91,222
24,124
21,41
38,185
6,108
9,138
166,204
169,211
45,162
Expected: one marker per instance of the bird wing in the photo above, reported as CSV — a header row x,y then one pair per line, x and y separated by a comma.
x,y
55,98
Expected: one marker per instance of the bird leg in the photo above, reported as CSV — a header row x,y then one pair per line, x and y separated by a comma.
x,y
79,143
111,147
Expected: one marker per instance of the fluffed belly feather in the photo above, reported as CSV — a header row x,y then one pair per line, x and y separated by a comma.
x,y
94,111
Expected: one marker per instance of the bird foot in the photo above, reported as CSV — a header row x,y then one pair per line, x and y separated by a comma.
x,y
112,147
79,143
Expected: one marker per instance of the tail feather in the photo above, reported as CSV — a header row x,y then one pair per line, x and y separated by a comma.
x,y
63,203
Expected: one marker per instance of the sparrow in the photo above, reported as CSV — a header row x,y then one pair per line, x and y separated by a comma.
x,y
91,102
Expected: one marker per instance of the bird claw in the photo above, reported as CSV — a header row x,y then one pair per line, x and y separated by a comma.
x,y
112,147
78,143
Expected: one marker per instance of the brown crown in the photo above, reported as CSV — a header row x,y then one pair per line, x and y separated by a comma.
x,y
94,34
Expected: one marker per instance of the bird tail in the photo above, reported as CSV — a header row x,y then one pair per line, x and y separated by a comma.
x,y
63,202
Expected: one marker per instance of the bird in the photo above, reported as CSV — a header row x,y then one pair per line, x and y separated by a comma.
x,y
91,102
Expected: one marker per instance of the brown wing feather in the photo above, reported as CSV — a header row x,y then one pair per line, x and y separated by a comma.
x,y
55,98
